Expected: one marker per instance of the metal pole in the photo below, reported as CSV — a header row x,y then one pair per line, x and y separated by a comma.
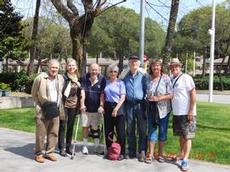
x,y
212,49
142,32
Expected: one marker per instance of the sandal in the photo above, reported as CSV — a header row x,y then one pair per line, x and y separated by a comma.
x,y
148,158
161,159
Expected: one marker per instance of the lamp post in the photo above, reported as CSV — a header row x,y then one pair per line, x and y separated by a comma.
x,y
142,32
212,50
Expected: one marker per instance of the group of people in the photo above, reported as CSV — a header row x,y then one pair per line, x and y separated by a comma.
x,y
134,99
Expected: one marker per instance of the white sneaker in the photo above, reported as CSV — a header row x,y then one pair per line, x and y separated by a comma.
x,y
85,150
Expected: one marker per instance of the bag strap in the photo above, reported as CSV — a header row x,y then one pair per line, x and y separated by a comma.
x,y
110,134
155,93
177,80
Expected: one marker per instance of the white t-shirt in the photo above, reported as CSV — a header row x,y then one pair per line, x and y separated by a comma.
x,y
181,94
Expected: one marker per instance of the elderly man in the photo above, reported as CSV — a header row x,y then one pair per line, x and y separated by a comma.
x,y
135,83
47,94
92,103
184,110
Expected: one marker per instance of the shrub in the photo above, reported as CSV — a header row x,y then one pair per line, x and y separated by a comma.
x,y
4,86
202,83
18,81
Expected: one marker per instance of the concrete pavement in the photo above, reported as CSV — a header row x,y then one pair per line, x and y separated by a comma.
x,y
225,99
16,155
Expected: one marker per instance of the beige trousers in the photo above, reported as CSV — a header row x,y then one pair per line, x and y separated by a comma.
x,y
49,129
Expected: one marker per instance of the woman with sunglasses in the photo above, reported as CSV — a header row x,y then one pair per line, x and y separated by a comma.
x,y
114,116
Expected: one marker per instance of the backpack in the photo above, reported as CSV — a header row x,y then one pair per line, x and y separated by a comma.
x,y
114,150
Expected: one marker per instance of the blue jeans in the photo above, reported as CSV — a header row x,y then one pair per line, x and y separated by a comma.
x,y
162,127
135,115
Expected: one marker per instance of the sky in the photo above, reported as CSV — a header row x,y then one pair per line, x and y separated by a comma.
x,y
158,10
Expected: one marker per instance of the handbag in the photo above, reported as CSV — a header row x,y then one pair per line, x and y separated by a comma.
x,y
114,150
50,110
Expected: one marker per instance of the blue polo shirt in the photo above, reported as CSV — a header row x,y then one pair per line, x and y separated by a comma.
x,y
135,86
92,92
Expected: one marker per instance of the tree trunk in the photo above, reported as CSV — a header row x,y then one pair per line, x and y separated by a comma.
x,y
120,64
166,52
227,69
77,50
84,58
80,26
219,74
33,52
7,64
39,64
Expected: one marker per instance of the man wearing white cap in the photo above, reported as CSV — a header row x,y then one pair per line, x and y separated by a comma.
x,y
184,110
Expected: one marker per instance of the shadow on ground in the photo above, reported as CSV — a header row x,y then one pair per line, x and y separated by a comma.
x,y
26,151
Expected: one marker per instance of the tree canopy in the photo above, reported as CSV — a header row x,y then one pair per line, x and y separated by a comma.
x,y
193,32
12,44
116,32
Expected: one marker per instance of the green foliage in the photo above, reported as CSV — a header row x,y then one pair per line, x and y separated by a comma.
x,y
202,83
192,34
11,42
9,21
116,32
52,40
18,81
4,86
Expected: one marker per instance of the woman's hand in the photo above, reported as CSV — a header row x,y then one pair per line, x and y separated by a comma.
x,y
153,98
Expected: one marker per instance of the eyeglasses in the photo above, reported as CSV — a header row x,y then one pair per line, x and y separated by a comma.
x,y
112,71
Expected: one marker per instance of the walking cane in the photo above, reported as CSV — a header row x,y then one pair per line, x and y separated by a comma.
x,y
75,138
104,136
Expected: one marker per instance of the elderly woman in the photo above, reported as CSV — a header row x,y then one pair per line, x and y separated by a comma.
x,y
71,96
114,114
158,96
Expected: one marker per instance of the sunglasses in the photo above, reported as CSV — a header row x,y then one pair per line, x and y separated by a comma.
x,y
112,71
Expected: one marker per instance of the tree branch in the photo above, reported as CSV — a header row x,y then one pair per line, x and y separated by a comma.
x,y
73,8
63,10
98,11
88,5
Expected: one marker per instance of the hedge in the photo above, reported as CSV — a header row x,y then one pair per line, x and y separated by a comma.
x,y
202,83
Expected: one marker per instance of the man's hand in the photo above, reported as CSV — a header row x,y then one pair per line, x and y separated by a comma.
x,y
83,108
100,110
190,115
114,113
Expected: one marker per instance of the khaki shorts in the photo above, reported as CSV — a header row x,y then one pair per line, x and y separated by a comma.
x,y
91,119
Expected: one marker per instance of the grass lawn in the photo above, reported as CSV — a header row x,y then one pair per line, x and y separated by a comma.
x,y
212,137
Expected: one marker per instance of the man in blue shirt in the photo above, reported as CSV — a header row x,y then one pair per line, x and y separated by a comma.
x,y
93,85
135,83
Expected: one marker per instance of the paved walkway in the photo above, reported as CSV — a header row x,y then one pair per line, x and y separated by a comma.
x,y
16,155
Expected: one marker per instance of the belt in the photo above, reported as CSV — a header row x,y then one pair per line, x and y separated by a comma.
x,y
134,102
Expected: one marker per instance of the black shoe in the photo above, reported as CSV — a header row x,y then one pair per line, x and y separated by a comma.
x,y
62,152
121,157
68,151
131,156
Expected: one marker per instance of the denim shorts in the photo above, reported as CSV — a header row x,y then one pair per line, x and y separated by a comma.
x,y
162,127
